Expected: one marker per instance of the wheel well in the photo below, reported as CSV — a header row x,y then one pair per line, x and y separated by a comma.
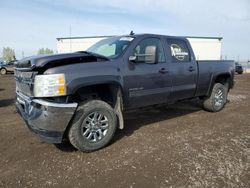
x,y
223,79
104,92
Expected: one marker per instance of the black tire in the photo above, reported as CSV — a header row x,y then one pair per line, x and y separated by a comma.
x,y
3,71
213,104
241,72
78,126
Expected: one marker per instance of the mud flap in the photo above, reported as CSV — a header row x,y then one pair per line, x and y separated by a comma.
x,y
118,109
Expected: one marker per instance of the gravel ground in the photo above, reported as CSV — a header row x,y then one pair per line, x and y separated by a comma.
x,y
175,146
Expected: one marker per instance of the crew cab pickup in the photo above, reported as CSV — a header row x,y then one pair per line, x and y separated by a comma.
x,y
82,96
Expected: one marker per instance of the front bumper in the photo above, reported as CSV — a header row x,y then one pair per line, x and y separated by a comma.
x,y
49,120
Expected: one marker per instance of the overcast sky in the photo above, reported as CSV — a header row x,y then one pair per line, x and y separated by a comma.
x,y
27,25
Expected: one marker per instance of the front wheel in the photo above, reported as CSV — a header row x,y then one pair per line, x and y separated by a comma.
x,y
217,99
93,126
3,71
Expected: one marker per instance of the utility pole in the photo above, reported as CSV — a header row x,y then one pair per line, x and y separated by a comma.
x,y
70,38
248,63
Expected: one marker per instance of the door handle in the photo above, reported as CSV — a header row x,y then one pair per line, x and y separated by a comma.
x,y
163,71
191,69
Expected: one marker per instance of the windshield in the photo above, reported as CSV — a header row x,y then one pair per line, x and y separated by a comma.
x,y
111,47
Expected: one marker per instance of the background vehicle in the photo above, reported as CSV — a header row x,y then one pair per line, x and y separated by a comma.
x,y
1,64
82,96
238,68
8,67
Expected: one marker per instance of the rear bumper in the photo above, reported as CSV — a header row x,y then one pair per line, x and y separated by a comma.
x,y
48,120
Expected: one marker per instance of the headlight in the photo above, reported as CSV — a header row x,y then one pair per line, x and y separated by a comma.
x,y
49,85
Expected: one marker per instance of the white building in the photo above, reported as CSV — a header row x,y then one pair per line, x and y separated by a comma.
x,y
73,44
205,48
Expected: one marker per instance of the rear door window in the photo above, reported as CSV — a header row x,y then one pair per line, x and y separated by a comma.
x,y
179,50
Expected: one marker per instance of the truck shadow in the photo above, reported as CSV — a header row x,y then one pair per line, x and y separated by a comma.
x,y
134,120
142,117
6,102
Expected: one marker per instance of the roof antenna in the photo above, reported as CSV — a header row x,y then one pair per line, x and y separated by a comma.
x,y
131,32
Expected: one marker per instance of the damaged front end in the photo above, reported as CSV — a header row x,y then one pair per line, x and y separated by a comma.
x,y
48,118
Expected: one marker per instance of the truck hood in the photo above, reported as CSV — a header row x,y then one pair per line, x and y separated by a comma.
x,y
44,62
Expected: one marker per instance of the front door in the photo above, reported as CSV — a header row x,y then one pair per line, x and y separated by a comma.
x,y
147,83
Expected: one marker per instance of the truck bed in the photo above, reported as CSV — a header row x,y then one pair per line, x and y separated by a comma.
x,y
207,72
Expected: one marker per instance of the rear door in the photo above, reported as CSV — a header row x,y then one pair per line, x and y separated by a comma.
x,y
147,83
183,69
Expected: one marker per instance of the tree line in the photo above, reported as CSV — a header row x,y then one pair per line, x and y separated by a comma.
x,y
9,53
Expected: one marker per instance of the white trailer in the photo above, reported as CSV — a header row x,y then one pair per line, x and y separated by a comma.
x,y
205,48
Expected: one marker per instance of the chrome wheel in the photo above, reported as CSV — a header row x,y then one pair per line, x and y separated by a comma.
x,y
95,126
218,98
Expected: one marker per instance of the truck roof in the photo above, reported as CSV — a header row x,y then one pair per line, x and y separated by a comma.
x,y
149,34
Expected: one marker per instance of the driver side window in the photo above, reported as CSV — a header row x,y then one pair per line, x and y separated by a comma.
x,y
142,50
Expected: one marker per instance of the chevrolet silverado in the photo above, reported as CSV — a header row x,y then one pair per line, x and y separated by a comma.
x,y
82,96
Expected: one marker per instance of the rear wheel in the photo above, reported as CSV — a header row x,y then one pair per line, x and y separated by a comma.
x,y
3,71
217,99
93,126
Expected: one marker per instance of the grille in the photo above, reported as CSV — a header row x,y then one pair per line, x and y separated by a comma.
x,y
24,82
23,74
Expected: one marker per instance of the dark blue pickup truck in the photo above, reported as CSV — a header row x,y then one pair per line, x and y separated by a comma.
x,y
238,68
82,96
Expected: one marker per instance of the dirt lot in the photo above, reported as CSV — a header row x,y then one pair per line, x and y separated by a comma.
x,y
178,145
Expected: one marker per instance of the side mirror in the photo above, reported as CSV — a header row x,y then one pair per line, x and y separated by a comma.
x,y
150,54
132,58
